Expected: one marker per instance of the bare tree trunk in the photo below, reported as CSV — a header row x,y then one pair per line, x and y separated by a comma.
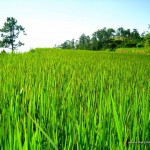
x,y
12,47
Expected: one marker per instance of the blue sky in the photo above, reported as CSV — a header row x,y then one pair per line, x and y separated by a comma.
x,y
50,22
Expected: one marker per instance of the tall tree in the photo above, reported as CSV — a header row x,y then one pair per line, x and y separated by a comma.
x,y
66,45
10,32
72,44
147,40
84,42
1,44
120,33
101,38
94,41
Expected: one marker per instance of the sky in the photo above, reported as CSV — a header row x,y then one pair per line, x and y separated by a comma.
x,y
50,22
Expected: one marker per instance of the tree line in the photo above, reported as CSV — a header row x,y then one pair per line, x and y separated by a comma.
x,y
103,39
109,39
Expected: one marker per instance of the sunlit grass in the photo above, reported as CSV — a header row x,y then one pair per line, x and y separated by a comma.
x,y
74,100
141,50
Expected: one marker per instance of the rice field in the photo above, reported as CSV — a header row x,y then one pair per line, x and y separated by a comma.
x,y
141,50
74,100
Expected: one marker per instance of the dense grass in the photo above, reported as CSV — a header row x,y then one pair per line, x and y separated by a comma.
x,y
74,100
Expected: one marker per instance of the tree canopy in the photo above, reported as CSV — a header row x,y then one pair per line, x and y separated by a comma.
x,y
109,39
10,32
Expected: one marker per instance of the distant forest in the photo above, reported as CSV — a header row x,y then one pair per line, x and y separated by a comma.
x,y
109,39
